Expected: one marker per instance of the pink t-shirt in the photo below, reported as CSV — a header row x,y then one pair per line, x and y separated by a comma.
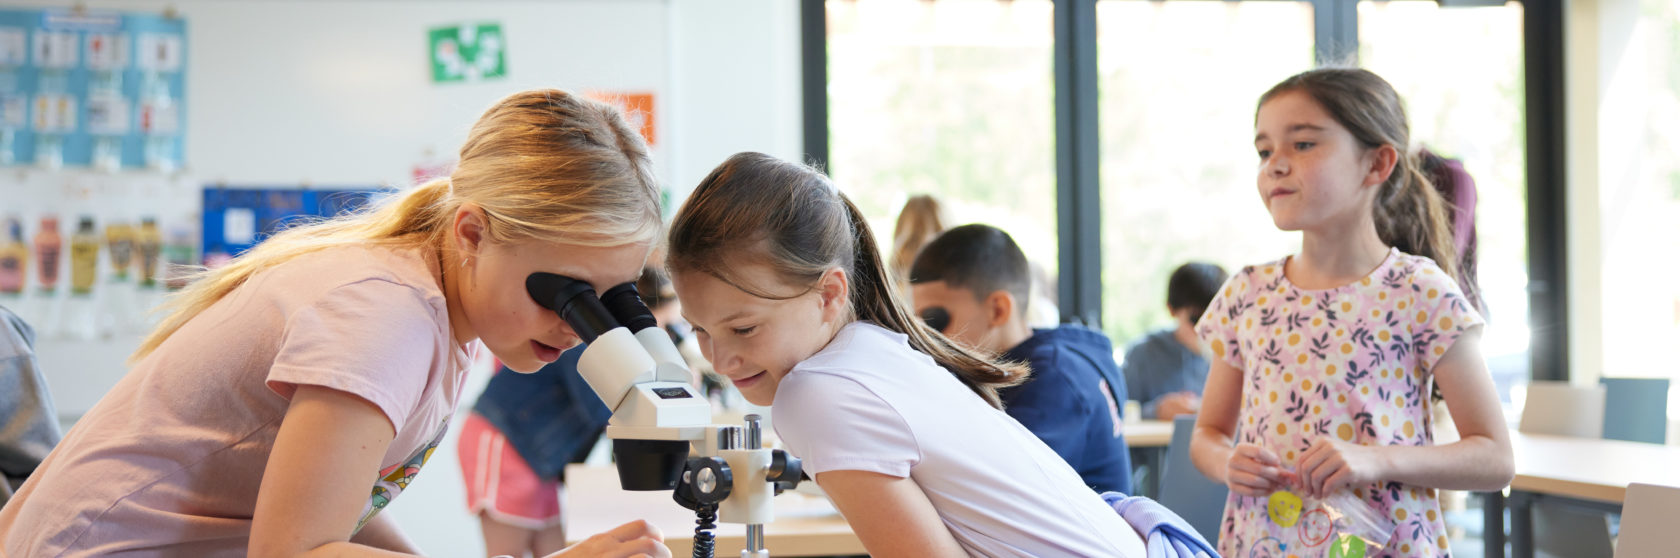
x,y
169,462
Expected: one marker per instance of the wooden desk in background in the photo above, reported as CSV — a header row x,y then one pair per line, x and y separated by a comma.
x,y
805,525
1147,433
1588,472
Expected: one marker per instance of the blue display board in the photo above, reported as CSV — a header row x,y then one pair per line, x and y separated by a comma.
x,y
104,89
235,219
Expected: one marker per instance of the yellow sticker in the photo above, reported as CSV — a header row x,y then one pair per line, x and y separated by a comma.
x,y
1284,508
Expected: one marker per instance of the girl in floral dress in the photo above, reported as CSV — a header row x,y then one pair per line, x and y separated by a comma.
x,y
1325,362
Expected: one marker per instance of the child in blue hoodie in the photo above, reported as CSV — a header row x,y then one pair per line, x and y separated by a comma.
x,y
972,283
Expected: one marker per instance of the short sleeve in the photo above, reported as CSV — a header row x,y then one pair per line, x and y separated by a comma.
x,y
833,423
1440,314
374,339
1217,327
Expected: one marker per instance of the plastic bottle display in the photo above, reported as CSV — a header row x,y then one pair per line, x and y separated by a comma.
x,y
148,243
119,240
84,257
48,246
14,258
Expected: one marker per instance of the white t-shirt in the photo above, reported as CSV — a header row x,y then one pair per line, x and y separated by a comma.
x,y
868,402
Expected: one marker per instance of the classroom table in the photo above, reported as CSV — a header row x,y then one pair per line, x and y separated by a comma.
x,y
1147,433
1586,472
805,525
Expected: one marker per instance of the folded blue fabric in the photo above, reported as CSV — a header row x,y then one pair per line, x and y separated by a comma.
x,y
1165,534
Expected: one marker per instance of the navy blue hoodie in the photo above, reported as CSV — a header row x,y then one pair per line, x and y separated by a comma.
x,y
1072,402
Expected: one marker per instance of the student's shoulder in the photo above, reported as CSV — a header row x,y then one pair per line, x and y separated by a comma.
x,y
860,345
399,271
1254,277
1418,274
16,337
1061,350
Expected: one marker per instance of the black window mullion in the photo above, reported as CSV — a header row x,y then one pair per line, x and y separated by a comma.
x,y
1078,211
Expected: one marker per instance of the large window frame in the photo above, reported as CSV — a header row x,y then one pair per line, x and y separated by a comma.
x,y
1336,36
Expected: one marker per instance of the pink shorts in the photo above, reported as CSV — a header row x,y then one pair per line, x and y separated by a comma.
x,y
499,482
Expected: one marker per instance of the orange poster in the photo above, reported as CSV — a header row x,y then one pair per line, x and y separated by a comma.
x,y
637,107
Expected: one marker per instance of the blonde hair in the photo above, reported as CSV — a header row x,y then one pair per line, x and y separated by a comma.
x,y
918,223
791,217
542,164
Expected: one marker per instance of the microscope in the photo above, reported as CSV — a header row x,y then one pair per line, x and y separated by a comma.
x,y
632,365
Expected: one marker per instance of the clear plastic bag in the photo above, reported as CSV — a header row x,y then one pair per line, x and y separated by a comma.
x,y
1340,526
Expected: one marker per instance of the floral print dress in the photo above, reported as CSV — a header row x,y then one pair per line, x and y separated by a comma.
x,y
1353,362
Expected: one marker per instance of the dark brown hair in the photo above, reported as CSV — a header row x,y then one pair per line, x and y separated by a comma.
x,y
1409,213
755,207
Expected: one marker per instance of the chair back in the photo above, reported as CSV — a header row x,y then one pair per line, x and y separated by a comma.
x,y
1185,491
1636,409
1561,409
1648,515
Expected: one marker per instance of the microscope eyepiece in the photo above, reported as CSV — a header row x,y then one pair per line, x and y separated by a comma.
x,y
574,301
627,307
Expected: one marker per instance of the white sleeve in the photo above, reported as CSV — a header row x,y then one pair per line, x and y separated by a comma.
x,y
834,423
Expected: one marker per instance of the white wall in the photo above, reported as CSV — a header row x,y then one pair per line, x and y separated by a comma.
x,y
339,93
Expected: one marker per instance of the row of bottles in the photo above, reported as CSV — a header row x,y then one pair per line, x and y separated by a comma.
x,y
88,283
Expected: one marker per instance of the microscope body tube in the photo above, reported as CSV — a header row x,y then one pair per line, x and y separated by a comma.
x,y
670,364
613,364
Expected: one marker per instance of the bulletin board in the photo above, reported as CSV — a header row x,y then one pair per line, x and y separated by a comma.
x,y
237,218
92,89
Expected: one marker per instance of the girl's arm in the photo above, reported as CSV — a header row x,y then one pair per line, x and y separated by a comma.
x,y
319,475
890,515
321,472
1247,469
1480,460
382,532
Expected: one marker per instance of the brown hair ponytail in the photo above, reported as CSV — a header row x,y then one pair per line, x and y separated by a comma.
x,y
792,218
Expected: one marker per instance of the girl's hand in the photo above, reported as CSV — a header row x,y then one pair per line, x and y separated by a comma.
x,y
1253,471
1329,465
630,540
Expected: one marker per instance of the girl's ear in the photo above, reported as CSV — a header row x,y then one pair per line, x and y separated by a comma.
x,y
1000,306
471,228
1380,163
833,294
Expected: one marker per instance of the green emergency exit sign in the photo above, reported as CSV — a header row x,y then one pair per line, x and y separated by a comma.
x,y
468,52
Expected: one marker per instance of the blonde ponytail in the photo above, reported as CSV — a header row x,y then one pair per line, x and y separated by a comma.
x,y
541,164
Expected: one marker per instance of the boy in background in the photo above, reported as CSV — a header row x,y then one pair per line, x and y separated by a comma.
x,y
1166,369
972,283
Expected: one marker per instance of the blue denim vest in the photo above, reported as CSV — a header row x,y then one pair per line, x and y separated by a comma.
x,y
550,416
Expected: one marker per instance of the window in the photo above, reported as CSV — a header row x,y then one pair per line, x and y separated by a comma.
x,y
951,99
1472,110
1639,192
1179,82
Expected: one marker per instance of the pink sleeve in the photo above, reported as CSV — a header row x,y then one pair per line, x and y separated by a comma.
x,y
373,339
1442,314
1217,327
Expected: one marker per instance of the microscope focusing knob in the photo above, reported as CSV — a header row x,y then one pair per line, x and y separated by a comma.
x,y
785,470
707,480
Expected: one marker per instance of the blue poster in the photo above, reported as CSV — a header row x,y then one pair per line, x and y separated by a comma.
x,y
235,219
84,88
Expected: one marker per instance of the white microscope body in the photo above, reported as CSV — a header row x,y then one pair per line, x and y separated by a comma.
x,y
633,366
